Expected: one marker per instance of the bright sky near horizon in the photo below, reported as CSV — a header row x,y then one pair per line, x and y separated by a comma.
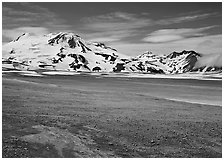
x,y
130,27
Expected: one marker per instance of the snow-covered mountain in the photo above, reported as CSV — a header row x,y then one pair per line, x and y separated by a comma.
x,y
61,51
67,51
173,63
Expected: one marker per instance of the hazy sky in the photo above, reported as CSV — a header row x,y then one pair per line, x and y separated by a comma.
x,y
132,28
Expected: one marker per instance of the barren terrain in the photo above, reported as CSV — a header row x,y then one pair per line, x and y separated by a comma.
x,y
95,116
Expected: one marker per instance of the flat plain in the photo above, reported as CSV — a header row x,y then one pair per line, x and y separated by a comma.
x,y
94,116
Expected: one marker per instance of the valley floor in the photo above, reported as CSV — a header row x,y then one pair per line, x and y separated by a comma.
x,y
97,116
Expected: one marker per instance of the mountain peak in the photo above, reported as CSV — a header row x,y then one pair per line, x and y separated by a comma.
x,y
184,52
69,39
64,36
24,35
146,54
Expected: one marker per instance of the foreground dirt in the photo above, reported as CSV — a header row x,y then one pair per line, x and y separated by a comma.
x,y
63,117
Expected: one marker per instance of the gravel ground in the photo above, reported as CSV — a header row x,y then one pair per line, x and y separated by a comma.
x,y
92,116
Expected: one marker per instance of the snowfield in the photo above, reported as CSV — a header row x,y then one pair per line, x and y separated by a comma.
x,y
210,76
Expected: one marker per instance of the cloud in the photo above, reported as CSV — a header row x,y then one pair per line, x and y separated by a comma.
x,y
18,18
210,60
195,43
162,38
185,18
12,12
123,20
109,36
130,24
103,39
113,16
16,15
116,26
166,35
121,24
12,34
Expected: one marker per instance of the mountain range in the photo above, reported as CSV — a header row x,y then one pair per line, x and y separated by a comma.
x,y
68,51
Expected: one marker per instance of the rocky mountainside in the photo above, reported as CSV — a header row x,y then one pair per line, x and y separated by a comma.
x,y
67,51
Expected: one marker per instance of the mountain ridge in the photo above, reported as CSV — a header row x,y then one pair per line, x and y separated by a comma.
x,y
68,51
